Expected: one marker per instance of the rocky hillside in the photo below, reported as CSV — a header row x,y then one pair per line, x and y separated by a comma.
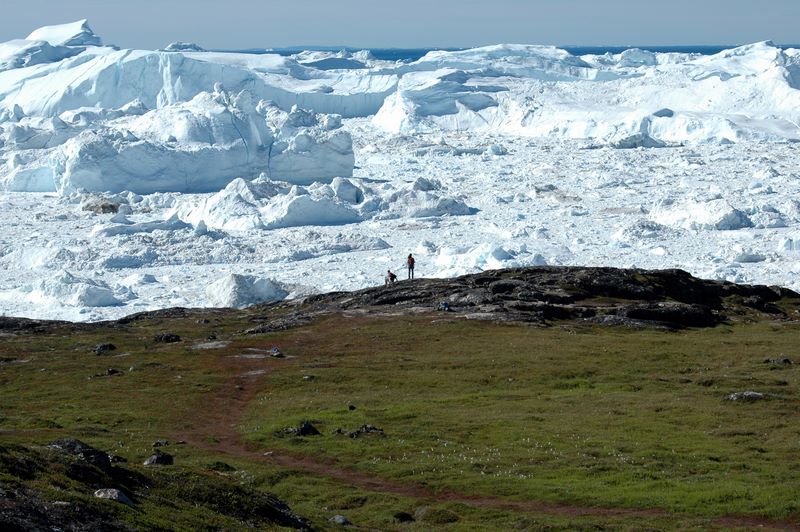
x,y
541,295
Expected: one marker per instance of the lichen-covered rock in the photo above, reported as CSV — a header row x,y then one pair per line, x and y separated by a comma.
x,y
85,452
340,520
749,396
166,338
102,349
113,495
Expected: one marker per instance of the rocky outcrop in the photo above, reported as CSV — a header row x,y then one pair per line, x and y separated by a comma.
x,y
86,453
80,470
608,296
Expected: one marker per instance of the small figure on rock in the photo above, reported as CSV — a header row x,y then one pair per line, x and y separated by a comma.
x,y
410,263
390,278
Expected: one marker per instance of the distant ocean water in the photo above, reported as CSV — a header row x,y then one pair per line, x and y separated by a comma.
x,y
413,54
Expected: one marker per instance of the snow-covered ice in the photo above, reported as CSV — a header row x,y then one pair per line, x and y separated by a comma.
x,y
136,179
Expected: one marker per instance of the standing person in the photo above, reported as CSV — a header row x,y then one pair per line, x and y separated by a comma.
x,y
410,263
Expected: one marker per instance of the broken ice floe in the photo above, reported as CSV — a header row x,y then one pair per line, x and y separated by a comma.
x,y
714,214
76,291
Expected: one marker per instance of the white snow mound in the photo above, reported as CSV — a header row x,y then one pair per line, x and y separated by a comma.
x,y
239,291
715,214
72,290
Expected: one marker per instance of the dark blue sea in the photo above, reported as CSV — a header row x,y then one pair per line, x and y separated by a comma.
x,y
412,54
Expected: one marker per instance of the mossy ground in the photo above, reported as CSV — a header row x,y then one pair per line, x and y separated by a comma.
x,y
474,413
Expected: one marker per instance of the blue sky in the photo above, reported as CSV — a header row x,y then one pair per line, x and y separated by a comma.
x,y
412,23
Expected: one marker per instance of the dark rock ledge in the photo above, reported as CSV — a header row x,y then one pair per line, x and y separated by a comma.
x,y
670,299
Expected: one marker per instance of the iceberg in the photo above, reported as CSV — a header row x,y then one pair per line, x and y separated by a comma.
x,y
71,34
195,146
75,114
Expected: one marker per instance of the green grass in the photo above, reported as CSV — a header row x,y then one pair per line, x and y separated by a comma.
x,y
566,415
596,417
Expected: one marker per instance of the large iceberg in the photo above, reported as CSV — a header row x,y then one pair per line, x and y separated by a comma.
x,y
82,116
193,146
744,93
78,115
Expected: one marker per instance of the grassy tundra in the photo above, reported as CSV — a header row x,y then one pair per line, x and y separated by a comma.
x,y
464,424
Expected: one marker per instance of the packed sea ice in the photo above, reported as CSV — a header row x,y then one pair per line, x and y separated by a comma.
x,y
133,180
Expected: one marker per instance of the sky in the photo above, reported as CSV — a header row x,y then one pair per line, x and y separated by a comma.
x,y
239,24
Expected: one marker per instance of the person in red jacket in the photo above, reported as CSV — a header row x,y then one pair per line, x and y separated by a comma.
x,y
410,263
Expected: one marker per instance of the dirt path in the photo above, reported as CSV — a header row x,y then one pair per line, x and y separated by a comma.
x,y
216,429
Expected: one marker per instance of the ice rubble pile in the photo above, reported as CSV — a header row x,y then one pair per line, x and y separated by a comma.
x,y
266,204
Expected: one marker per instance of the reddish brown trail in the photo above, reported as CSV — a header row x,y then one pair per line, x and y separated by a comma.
x,y
215,428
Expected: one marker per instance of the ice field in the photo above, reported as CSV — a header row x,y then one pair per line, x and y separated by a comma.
x,y
234,178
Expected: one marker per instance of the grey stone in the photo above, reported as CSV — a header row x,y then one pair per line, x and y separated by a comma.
x,y
748,396
366,429
102,349
778,362
100,206
341,520
159,458
113,495
307,429
166,338
87,453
